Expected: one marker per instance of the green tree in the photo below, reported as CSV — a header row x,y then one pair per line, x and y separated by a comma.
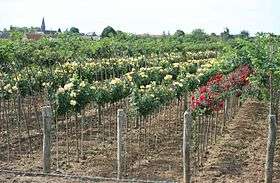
x,y
226,34
179,33
244,34
213,34
199,34
74,30
16,35
108,32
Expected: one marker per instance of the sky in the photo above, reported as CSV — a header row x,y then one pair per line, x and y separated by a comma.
x,y
144,16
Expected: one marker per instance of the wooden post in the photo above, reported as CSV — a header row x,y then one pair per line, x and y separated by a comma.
x,y
99,115
120,122
226,111
187,147
186,102
271,140
82,134
47,117
216,127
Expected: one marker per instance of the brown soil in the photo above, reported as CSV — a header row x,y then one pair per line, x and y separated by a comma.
x,y
10,177
239,155
144,159
15,178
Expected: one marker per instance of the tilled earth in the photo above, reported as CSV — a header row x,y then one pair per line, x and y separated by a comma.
x,y
239,155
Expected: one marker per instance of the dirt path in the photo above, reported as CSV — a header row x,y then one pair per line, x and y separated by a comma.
x,y
239,155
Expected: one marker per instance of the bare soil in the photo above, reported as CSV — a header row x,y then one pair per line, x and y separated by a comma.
x,y
15,178
239,156
153,151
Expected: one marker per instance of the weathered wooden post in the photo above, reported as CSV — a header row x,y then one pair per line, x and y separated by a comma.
x,y
226,114
99,110
186,101
187,147
120,122
271,140
47,118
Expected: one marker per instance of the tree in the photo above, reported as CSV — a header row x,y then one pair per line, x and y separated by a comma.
x,y
199,34
74,30
108,32
123,35
179,33
213,34
16,35
59,30
226,35
244,34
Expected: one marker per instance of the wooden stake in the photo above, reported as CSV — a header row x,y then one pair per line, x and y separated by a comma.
x,y
270,151
120,122
47,117
187,147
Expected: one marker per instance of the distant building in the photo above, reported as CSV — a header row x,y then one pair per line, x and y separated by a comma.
x,y
43,26
149,35
4,35
40,32
35,33
33,36
50,32
44,30
92,35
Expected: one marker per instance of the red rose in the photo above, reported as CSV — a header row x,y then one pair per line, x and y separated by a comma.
x,y
203,89
202,97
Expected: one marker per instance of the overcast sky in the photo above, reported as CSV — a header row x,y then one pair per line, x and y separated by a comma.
x,y
144,16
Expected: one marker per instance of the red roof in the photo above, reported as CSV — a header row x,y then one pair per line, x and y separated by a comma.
x,y
33,36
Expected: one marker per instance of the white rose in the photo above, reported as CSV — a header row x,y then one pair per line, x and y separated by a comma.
x,y
68,86
73,94
82,84
73,102
60,90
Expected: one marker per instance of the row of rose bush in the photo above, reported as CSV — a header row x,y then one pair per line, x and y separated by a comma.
x,y
33,79
149,87
210,97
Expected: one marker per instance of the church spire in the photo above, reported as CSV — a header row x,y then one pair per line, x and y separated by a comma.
x,y
43,26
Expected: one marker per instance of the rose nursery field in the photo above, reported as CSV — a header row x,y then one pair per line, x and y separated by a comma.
x,y
137,109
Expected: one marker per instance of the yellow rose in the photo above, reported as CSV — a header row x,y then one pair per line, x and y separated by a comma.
x,y
73,102
168,77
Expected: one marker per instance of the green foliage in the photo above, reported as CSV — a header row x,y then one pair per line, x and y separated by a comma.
x,y
151,71
24,29
263,54
74,30
16,35
226,34
108,32
29,67
244,34
179,33
199,34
